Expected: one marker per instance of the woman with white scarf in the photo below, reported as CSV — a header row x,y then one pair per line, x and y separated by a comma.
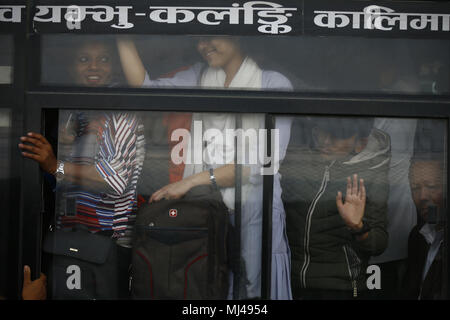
x,y
228,67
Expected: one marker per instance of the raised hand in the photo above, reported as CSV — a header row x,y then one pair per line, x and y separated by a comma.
x,y
352,210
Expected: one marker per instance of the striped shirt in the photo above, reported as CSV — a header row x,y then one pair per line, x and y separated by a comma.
x,y
114,143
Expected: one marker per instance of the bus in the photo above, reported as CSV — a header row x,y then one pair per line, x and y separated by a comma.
x,y
226,150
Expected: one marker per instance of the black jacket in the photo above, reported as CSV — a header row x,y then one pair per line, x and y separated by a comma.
x,y
432,287
324,253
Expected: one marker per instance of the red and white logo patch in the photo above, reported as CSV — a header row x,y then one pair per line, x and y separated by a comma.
x,y
173,213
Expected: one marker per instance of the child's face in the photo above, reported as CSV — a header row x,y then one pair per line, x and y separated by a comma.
x,y
330,147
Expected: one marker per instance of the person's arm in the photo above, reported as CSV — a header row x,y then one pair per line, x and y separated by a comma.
x,y
356,212
138,76
132,65
225,177
84,175
376,213
111,173
40,150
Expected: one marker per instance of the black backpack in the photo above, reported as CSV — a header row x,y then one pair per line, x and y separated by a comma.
x,y
180,248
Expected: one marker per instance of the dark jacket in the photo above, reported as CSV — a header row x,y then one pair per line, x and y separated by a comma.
x,y
324,253
432,287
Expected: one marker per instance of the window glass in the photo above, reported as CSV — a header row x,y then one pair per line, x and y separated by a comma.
x,y
5,180
157,205
6,59
364,200
312,64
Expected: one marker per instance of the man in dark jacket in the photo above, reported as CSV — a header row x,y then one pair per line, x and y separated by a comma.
x,y
335,222
424,276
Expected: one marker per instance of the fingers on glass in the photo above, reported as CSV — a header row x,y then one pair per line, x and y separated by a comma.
x,y
362,189
349,187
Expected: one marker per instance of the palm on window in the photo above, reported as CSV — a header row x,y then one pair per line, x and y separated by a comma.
x,y
352,210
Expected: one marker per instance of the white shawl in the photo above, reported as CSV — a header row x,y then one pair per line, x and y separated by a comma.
x,y
249,75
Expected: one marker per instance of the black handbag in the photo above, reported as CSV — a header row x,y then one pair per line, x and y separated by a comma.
x,y
83,265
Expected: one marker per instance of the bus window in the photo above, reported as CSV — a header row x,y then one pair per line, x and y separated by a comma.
x,y
365,207
6,58
5,179
178,196
312,64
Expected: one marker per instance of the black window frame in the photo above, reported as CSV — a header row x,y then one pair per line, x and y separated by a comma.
x,y
13,99
31,101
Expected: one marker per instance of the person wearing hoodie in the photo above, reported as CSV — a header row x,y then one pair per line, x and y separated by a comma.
x,y
335,196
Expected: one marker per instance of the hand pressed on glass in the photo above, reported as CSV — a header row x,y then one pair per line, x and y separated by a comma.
x,y
40,150
352,210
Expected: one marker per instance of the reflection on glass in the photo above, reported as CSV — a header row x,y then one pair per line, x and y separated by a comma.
x,y
93,64
401,212
6,58
324,64
157,191
351,191
5,127
86,61
426,247
227,66
5,178
100,157
206,156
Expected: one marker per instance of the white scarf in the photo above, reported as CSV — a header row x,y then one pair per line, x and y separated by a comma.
x,y
249,75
